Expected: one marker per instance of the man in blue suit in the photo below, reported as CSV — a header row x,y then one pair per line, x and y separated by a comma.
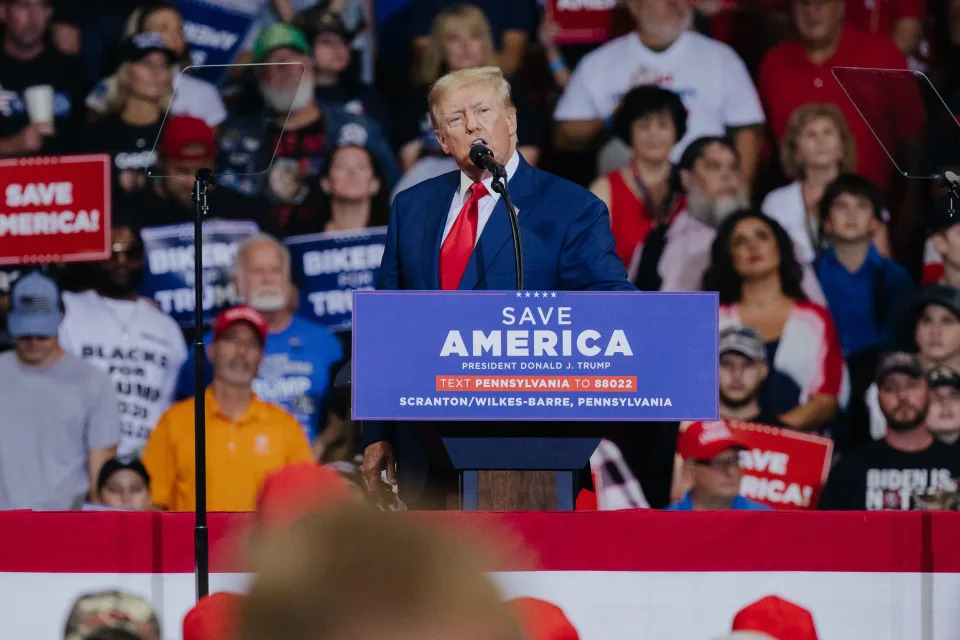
x,y
453,232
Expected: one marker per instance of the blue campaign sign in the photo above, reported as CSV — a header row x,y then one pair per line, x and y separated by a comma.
x,y
168,278
534,355
215,34
329,267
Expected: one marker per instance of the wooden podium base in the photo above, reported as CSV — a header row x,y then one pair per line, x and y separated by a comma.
x,y
517,490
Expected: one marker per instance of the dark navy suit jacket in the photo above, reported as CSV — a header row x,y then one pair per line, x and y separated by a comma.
x,y
567,246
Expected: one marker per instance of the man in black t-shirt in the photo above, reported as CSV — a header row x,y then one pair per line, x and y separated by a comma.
x,y
27,59
743,368
908,467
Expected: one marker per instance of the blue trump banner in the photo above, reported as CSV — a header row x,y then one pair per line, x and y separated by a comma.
x,y
329,267
534,355
168,279
215,33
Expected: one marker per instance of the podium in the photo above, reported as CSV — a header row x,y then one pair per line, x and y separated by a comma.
x,y
505,393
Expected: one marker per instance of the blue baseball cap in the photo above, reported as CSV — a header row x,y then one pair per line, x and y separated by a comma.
x,y
34,307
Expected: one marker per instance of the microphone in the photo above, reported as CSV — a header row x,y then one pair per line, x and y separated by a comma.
x,y
482,157
950,176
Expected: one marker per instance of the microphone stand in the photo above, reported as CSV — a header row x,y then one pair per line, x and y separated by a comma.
x,y
201,540
500,186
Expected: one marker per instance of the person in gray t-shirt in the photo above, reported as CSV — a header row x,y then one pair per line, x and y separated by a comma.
x,y
59,420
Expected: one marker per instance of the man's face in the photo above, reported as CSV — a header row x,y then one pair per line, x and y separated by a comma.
x,y
236,355
740,378
720,477
263,281
851,218
938,334
819,22
35,350
475,114
903,400
27,21
331,53
286,81
663,19
122,273
126,489
947,244
181,177
943,417
714,188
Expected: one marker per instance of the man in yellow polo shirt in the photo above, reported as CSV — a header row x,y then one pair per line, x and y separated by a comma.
x,y
247,438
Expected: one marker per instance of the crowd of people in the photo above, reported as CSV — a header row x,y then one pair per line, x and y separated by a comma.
x,y
729,160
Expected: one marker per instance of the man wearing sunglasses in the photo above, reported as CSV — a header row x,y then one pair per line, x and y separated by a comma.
x,y
711,456
124,335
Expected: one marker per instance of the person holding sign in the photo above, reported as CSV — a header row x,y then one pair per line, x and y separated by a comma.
x,y
711,455
452,232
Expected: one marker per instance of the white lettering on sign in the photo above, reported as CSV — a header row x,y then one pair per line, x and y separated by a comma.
x,y
589,5
40,223
180,259
358,258
182,300
206,36
39,194
758,460
545,343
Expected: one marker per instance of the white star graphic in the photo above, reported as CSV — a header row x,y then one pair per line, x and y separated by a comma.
x,y
553,294
528,294
536,294
519,293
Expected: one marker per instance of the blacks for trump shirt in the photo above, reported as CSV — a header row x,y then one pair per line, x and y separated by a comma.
x,y
878,477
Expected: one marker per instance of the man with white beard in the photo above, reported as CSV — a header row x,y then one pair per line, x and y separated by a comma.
x,y
302,133
299,355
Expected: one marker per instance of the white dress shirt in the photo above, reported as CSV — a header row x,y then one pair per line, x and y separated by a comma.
x,y
487,202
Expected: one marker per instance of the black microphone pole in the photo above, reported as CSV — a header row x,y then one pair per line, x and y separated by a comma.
x,y
500,186
201,541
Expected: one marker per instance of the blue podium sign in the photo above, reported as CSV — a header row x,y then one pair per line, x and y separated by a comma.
x,y
534,355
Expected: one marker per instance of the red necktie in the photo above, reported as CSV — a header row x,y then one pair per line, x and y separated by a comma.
x,y
456,249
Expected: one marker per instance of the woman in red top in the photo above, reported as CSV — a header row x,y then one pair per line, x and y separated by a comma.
x,y
646,192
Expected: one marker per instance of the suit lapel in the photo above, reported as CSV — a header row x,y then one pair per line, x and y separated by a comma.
x,y
496,233
435,210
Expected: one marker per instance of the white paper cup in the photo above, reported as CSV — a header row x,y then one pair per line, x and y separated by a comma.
x,y
39,99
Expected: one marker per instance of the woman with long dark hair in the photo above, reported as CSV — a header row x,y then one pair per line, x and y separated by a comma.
x,y
758,277
355,190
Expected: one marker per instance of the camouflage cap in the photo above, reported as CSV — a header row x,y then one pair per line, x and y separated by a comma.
x,y
112,610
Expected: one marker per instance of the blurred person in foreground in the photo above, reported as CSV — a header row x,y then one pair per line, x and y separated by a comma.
x,y
297,134
186,145
567,237
299,354
754,268
60,421
124,484
909,463
28,58
711,455
773,618
542,620
125,336
247,438
646,193
214,617
352,572
107,614
943,416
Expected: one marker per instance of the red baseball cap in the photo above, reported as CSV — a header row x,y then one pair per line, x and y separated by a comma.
x,y
230,317
542,620
706,440
297,490
186,138
778,618
214,617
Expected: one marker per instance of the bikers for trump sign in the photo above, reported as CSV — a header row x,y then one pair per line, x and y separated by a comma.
x,y
534,355
329,267
169,277
54,209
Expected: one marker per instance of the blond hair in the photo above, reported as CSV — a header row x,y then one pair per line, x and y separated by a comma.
x,y
456,80
354,572
435,57
799,119
121,89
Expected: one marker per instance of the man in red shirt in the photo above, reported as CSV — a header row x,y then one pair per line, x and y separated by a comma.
x,y
799,71
902,20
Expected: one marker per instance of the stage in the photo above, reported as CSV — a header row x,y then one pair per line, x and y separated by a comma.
x,y
618,575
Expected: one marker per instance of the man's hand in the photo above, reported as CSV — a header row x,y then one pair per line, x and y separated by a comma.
x,y
377,457
29,140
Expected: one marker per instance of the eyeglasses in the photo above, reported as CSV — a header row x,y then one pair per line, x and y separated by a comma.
x,y
720,464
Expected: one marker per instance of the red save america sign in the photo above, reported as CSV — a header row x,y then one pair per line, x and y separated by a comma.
x,y
54,209
782,468
581,21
